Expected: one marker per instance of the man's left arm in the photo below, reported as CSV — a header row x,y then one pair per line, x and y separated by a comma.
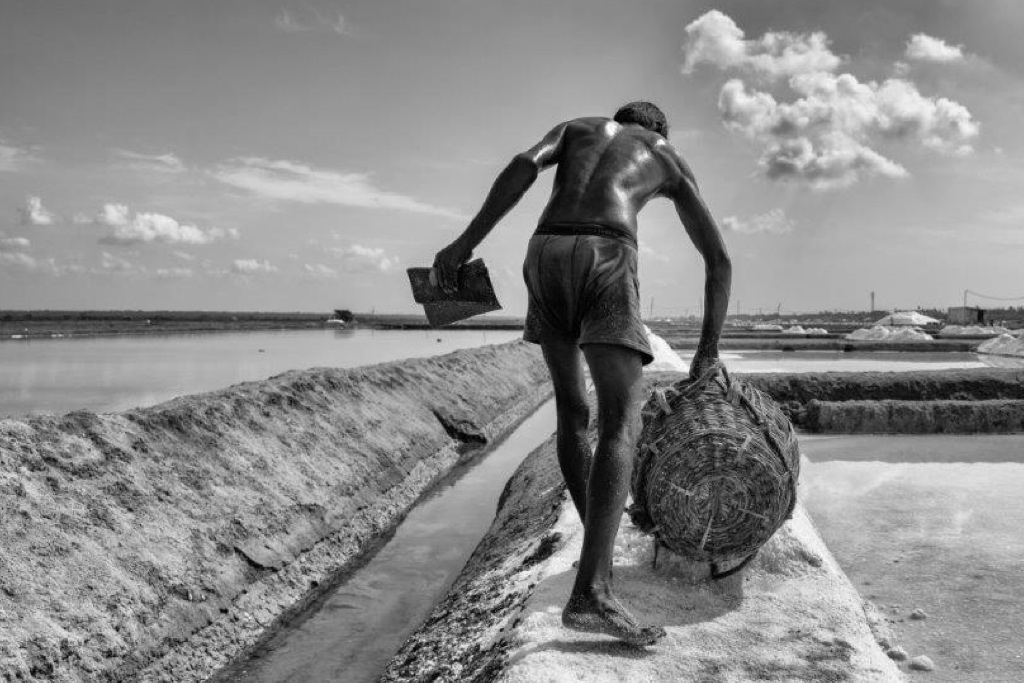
x,y
510,186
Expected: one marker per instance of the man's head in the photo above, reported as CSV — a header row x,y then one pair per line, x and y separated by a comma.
x,y
645,114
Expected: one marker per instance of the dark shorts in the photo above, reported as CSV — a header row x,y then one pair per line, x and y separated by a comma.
x,y
584,288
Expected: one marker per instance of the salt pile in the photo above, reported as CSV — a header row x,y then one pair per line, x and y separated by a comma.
x,y
1003,345
799,329
972,331
889,334
767,328
665,359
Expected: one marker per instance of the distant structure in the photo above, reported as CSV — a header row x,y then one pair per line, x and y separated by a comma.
x,y
966,315
341,317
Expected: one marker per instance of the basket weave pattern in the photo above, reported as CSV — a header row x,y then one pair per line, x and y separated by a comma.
x,y
716,470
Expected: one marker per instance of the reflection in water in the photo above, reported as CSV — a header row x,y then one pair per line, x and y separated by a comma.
x,y
360,626
116,373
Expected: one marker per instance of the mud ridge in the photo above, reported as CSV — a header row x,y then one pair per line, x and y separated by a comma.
x,y
159,543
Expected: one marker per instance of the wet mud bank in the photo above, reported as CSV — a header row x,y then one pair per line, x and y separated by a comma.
x,y
790,343
159,543
927,402
913,417
791,615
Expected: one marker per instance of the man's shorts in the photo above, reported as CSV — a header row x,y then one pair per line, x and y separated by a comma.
x,y
584,288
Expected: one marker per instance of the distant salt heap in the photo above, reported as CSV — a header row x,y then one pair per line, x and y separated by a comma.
x,y
805,331
767,327
972,331
665,358
1003,345
889,334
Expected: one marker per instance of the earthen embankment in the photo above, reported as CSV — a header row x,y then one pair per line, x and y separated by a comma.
x,y
157,543
792,615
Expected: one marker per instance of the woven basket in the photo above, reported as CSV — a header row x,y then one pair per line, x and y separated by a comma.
x,y
716,470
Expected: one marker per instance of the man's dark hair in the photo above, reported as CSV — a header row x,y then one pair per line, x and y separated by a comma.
x,y
644,113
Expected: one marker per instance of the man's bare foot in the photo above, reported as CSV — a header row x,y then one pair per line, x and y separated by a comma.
x,y
605,614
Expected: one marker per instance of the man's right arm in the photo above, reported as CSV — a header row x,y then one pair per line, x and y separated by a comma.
x,y
510,186
706,237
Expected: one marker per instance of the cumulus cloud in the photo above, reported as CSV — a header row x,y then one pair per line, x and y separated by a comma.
x,y
290,181
925,48
814,125
252,267
715,39
319,270
357,258
113,215
157,163
774,222
34,213
153,227
309,19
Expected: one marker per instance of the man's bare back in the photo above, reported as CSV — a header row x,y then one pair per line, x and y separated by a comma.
x,y
606,173
581,275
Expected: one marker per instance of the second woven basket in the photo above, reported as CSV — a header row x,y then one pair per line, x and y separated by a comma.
x,y
716,470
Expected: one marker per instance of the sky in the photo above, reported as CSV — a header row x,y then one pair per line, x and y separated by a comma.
x,y
253,155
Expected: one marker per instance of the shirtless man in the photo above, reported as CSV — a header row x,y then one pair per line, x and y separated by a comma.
x,y
581,274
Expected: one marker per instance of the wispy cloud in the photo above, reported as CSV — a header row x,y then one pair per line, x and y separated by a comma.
x,y
153,163
925,48
319,270
252,267
14,159
309,19
34,213
174,273
17,260
290,181
774,222
111,264
650,252
14,243
357,258
817,126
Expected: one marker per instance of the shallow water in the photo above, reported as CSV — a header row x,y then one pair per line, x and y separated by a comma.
x,y
115,373
356,630
931,523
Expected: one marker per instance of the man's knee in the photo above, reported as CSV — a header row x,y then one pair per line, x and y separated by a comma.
x,y
620,422
574,414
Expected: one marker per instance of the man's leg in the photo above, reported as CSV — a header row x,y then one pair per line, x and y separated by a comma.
x,y
616,371
574,455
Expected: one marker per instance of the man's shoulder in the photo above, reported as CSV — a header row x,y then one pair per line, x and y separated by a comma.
x,y
672,158
587,122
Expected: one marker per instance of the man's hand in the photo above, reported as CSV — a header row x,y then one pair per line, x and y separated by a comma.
x,y
447,264
701,363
